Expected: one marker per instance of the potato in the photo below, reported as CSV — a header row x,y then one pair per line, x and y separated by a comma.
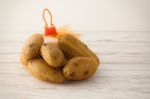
x,y
40,69
52,54
73,47
80,68
31,48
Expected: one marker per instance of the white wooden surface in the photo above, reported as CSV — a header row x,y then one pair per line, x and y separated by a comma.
x,y
124,72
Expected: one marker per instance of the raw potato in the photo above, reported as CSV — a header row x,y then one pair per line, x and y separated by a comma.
x,y
73,47
40,69
46,61
52,54
80,68
31,48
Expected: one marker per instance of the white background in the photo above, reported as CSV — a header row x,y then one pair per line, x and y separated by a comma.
x,y
80,15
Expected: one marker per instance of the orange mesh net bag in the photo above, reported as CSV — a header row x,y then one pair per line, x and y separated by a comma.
x,y
58,55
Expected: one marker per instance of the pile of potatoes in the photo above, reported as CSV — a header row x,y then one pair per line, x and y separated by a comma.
x,y
66,59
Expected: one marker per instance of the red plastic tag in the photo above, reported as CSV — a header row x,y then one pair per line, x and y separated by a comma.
x,y
49,31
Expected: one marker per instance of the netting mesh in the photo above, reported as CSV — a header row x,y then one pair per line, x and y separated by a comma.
x,y
66,59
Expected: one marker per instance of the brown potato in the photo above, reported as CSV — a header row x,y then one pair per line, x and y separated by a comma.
x,y
40,69
31,48
73,47
80,68
52,54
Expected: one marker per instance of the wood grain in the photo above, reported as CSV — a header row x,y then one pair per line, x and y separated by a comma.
x,y
124,72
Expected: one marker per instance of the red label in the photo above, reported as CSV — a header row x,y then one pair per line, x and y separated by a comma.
x,y
50,31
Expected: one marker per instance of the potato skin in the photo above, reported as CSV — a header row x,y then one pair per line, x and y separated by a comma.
x,y
52,54
73,47
67,59
80,68
40,69
31,48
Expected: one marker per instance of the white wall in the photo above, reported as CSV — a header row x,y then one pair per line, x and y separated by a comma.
x,y
81,15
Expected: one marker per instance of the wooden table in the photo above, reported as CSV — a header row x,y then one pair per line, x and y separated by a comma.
x,y
124,72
